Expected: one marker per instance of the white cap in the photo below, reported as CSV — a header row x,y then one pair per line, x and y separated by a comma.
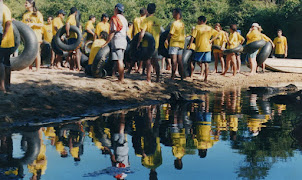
x,y
256,25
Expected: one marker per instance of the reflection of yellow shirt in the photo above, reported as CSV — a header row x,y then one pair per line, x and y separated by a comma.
x,y
234,40
101,26
177,31
179,144
59,146
29,17
203,33
8,41
221,38
152,25
253,36
40,163
50,132
47,32
155,160
72,21
254,124
137,24
75,152
233,122
56,22
203,136
280,45
96,46
95,140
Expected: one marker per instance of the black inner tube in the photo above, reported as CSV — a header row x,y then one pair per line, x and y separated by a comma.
x,y
17,38
254,46
142,53
66,47
27,57
237,49
264,53
162,50
99,62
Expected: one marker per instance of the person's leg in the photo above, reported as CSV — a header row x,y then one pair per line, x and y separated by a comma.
x,y
221,62
233,59
174,64
7,68
163,63
168,64
148,66
216,57
263,67
156,67
120,67
238,63
228,61
180,66
253,65
192,69
2,77
206,72
38,59
78,59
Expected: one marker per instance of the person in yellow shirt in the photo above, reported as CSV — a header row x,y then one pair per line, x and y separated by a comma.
x,y
7,42
48,35
89,28
56,25
152,25
96,46
102,26
138,21
73,59
203,34
130,30
177,43
253,35
234,41
280,43
34,19
220,41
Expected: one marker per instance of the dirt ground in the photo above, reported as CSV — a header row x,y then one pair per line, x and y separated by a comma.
x,y
52,94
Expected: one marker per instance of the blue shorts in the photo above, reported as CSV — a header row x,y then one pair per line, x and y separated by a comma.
x,y
203,57
71,41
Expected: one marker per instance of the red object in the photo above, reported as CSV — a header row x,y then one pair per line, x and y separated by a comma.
x,y
117,22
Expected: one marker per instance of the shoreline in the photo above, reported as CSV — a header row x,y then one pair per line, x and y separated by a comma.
x,y
50,95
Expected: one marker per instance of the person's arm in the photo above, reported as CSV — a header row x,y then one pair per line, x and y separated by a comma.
x,y
286,48
7,26
141,35
110,37
39,24
67,27
215,35
168,39
90,31
191,41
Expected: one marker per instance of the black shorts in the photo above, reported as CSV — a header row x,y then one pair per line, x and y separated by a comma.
x,y
280,55
5,56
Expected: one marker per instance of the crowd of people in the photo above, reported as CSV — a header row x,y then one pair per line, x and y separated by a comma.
x,y
118,30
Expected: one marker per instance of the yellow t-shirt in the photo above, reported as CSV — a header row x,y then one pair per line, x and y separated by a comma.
x,y
177,32
29,17
40,163
152,25
130,32
72,21
203,136
265,38
234,40
8,41
280,45
89,25
57,22
155,160
221,38
101,26
253,36
203,33
97,44
137,24
47,32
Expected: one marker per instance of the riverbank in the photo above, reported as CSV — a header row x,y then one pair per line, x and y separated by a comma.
x,y
49,94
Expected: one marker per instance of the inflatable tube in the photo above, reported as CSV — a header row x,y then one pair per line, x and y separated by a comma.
x,y
234,50
187,42
216,47
97,67
127,57
17,38
142,53
45,52
162,50
84,60
162,29
58,51
29,54
186,59
33,143
254,46
264,53
66,47
87,47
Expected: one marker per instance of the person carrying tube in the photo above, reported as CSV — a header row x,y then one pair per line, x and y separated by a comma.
x,y
34,19
220,41
7,42
47,35
57,23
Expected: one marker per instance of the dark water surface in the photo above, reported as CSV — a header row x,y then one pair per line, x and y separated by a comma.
x,y
230,135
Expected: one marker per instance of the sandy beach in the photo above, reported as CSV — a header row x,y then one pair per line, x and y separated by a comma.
x,y
50,94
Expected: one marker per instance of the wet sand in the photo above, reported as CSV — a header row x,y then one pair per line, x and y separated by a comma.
x,y
49,94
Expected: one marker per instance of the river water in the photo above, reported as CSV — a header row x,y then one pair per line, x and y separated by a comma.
x,y
230,135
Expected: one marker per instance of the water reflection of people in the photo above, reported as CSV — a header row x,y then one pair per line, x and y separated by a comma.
x,y
39,166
